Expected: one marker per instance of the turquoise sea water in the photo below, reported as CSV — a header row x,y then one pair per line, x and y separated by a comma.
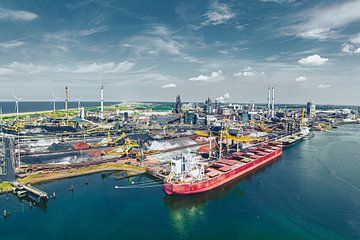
x,y
312,192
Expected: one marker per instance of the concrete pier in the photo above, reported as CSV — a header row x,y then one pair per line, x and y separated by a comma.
x,y
32,190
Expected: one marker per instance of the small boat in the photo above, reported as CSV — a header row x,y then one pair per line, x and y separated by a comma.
x,y
21,193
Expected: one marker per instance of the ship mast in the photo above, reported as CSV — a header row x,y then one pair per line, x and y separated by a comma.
x,y
210,143
220,147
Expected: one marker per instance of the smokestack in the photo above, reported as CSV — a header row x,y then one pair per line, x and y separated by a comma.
x,y
268,100
66,102
102,103
273,103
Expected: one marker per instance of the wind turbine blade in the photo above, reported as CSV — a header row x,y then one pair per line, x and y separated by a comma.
x,y
14,95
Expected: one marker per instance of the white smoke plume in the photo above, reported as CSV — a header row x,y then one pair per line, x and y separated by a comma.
x,y
223,98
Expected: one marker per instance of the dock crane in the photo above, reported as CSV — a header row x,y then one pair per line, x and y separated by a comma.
x,y
226,135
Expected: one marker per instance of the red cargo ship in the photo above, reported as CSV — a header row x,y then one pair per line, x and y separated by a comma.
x,y
189,177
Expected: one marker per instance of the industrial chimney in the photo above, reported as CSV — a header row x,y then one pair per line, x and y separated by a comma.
x,y
273,103
67,102
268,100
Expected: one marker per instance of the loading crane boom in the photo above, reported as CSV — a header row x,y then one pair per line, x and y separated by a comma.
x,y
225,134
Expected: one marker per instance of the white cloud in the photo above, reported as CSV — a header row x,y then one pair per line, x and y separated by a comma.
x,y
314,60
323,23
29,68
219,13
109,67
324,85
81,68
12,15
301,79
316,33
11,44
240,27
355,39
153,45
248,68
248,72
5,71
212,77
170,85
91,31
158,40
279,1
350,48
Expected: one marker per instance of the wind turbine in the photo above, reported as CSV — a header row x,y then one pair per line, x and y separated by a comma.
x,y
53,100
17,100
81,113
79,102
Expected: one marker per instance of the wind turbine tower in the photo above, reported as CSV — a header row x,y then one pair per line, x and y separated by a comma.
x,y
17,100
53,101
79,102
102,102
81,109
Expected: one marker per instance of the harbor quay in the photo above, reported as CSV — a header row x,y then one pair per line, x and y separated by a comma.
x,y
182,144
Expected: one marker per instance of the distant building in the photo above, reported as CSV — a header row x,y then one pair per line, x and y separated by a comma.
x,y
190,118
178,104
310,109
225,111
208,106
210,119
245,117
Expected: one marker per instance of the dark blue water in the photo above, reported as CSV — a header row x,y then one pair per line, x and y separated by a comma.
x,y
312,192
9,107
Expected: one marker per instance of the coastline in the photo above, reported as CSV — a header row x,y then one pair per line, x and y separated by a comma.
x,y
45,177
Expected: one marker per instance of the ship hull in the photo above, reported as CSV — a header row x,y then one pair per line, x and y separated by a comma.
x,y
212,183
290,144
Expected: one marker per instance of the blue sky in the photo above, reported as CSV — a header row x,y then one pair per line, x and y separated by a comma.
x,y
153,50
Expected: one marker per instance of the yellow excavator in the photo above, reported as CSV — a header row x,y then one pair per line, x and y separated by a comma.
x,y
124,149
16,127
109,141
